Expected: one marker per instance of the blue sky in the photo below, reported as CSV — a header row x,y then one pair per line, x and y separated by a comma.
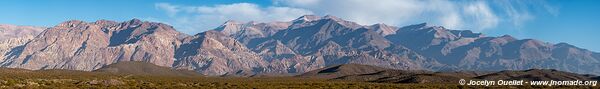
x,y
575,22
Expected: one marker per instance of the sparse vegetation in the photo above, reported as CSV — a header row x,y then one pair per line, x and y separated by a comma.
x,y
79,79
139,75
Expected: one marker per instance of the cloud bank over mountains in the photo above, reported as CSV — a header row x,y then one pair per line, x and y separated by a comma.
x,y
472,15
195,19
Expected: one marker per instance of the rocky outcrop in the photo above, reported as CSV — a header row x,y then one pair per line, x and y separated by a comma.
x,y
245,32
12,36
79,45
213,53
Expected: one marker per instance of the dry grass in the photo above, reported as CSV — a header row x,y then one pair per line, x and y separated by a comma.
x,y
77,79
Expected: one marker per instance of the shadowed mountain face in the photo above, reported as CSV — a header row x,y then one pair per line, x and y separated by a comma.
x,y
342,70
12,36
301,45
313,42
327,41
356,72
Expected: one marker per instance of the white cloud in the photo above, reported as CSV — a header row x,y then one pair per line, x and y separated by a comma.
x,y
471,15
361,11
402,12
468,15
195,19
451,20
481,15
171,10
518,12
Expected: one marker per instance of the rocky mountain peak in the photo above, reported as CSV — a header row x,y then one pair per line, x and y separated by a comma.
x,y
135,21
230,22
501,39
331,17
562,44
441,32
414,26
71,23
466,34
535,43
132,23
88,46
382,26
230,27
507,37
105,22
307,18
383,29
343,22
253,23
210,33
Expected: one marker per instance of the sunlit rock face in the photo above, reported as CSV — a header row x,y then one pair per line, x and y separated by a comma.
x,y
12,36
79,45
304,44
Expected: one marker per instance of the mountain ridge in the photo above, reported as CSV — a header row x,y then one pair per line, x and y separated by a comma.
x,y
307,43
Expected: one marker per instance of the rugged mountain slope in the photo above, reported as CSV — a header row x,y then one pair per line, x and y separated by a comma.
x,y
312,42
465,50
508,53
244,32
12,36
301,45
213,53
78,45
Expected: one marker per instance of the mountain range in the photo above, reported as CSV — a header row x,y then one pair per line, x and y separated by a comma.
x,y
307,43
